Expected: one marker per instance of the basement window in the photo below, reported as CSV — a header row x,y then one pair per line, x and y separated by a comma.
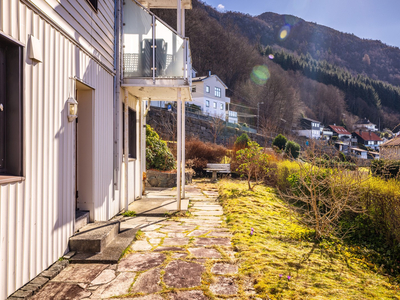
x,y
93,4
10,108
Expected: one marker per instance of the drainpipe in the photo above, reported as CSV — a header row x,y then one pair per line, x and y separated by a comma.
x,y
147,108
126,154
117,78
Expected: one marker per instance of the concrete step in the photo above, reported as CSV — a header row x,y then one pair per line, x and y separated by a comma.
x,y
94,237
111,253
81,219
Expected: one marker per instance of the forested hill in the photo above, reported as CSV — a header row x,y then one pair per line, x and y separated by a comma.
x,y
375,59
316,71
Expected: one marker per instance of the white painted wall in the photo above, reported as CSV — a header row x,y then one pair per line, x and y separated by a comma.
x,y
37,215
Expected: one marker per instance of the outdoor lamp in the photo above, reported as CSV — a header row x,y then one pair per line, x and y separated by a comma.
x,y
72,109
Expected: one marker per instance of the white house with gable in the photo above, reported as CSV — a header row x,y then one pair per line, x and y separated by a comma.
x,y
209,93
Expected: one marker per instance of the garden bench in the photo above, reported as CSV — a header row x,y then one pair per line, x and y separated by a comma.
x,y
218,168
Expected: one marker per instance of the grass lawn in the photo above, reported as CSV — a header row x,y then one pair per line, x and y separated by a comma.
x,y
285,261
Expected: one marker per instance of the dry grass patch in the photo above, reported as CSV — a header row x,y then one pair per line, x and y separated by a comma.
x,y
283,258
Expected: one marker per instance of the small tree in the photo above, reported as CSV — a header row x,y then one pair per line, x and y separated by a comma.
x,y
292,149
280,141
217,126
253,163
242,141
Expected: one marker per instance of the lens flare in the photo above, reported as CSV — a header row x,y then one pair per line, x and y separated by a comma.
x,y
271,56
291,20
284,33
260,75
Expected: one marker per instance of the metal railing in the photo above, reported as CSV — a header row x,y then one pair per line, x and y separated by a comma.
x,y
151,48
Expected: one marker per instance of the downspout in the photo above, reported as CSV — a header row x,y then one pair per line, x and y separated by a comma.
x,y
126,154
116,104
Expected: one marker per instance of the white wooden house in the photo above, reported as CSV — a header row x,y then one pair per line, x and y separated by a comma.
x,y
56,57
209,93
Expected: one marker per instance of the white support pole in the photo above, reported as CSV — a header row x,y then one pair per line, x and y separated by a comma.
x,y
183,150
179,18
126,154
142,142
179,150
183,22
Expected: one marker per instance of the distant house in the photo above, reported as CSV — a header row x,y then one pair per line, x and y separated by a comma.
x,y
365,124
368,139
391,149
326,133
209,94
340,132
309,128
359,153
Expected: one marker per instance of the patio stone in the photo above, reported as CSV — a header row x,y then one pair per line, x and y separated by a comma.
x,y
198,232
61,291
118,287
80,273
208,213
105,277
205,253
175,241
148,282
223,269
140,261
154,234
188,295
182,274
224,286
141,246
212,241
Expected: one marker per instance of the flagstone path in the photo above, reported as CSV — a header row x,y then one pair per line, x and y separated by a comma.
x,y
181,258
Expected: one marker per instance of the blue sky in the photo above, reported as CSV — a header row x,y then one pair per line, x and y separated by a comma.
x,y
370,19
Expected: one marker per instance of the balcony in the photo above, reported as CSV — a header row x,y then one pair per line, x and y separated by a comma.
x,y
154,55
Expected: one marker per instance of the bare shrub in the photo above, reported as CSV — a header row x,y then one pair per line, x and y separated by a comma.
x,y
201,153
322,195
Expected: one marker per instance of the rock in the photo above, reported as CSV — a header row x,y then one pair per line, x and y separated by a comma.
x,y
182,274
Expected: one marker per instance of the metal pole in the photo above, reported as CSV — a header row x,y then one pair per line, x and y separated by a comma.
x,y
179,18
179,150
126,148
183,150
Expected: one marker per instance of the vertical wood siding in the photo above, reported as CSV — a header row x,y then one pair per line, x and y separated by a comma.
x,y
37,215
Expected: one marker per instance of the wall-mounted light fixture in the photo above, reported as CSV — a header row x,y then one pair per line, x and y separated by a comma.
x,y
72,109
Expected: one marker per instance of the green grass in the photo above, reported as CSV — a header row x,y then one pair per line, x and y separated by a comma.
x,y
280,247
129,213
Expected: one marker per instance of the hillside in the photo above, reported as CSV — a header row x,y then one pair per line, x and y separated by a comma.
x,y
232,44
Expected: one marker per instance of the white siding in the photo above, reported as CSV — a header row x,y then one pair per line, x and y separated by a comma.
x,y
37,215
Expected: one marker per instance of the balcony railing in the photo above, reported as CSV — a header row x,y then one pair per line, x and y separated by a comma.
x,y
152,49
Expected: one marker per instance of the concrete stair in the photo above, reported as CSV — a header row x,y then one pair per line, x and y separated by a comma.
x,y
100,242
81,219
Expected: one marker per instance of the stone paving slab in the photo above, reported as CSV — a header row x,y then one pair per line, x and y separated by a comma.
x,y
205,253
141,246
208,213
85,273
182,274
61,291
117,287
175,241
224,269
188,295
224,286
148,282
212,241
140,261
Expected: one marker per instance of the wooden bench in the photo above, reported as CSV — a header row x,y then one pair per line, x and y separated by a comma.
x,y
218,168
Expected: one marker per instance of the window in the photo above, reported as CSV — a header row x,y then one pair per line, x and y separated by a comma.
x,y
194,89
221,106
215,105
207,89
217,92
131,132
10,108
207,103
93,4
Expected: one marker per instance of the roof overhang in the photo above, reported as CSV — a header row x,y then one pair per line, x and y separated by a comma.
x,y
165,4
159,93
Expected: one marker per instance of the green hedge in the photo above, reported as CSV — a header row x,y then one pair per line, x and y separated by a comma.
x,y
158,155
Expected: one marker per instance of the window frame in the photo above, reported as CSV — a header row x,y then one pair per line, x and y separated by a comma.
x,y
217,92
221,106
208,89
215,106
194,89
132,132
94,4
207,103
11,83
